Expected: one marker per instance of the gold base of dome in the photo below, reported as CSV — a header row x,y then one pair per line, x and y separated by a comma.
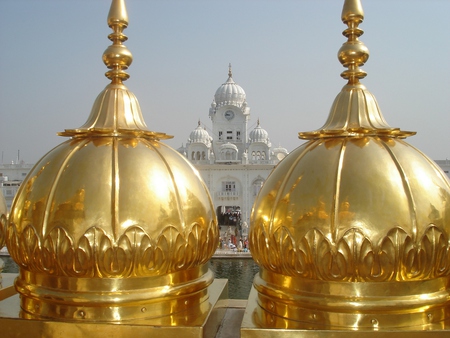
x,y
197,321
260,323
299,303
111,299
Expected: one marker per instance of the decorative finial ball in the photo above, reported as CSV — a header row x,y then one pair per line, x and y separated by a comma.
x,y
353,53
117,56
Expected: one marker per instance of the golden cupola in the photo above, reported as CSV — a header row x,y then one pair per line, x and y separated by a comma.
x,y
112,225
351,230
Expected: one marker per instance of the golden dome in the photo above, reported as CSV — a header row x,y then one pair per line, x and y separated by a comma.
x,y
112,225
352,228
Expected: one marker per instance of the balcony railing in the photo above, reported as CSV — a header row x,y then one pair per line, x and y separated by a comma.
x,y
228,194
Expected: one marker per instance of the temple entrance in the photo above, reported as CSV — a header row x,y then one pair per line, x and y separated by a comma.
x,y
228,215
230,225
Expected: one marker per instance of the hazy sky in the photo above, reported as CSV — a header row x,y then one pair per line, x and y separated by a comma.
x,y
283,54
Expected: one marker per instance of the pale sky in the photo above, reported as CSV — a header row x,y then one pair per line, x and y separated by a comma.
x,y
283,54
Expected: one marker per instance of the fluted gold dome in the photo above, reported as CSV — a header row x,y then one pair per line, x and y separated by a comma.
x,y
112,225
352,228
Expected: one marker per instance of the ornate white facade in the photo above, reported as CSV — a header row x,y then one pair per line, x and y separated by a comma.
x,y
233,162
11,176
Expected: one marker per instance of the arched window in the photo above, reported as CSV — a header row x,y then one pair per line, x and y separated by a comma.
x,y
257,185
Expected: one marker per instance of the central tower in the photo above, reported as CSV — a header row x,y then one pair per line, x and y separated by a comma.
x,y
229,114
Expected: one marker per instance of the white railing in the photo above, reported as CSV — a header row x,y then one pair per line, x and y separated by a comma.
x,y
228,194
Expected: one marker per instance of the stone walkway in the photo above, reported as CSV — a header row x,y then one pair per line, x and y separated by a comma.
x,y
231,323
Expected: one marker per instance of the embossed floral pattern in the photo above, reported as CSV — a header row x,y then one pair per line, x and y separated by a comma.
x,y
2,229
353,257
95,254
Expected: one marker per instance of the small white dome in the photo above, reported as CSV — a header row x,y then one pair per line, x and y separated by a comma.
x,y
230,93
279,153
182,150
228,145
200,135
259,135
281,150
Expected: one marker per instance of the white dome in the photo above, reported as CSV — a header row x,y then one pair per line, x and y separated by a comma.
x,y
279,153
182,150
230,93
280,149
200,135
228,145
259,135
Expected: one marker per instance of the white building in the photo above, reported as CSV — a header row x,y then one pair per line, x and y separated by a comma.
x,y
445,166
233,162
11,176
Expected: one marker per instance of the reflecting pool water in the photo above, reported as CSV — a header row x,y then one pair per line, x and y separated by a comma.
x,y
238,271
10,265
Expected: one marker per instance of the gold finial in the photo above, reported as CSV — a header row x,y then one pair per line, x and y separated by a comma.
x,y
353,53
116,111
355,111
117,57
230,73
352,10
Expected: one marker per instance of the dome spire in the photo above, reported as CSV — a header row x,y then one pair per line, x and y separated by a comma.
x,y
355,111
353,53
116,111
117,57
230,72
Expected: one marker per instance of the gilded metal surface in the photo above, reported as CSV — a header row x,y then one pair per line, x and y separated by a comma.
x,y
355,111
281,327
113,225
198,321
110,207
351,229
323,217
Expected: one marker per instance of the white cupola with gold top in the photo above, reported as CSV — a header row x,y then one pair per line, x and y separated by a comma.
x,y
112,225
351,230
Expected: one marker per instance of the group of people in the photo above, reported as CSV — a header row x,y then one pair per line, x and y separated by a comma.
x,y
234,244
